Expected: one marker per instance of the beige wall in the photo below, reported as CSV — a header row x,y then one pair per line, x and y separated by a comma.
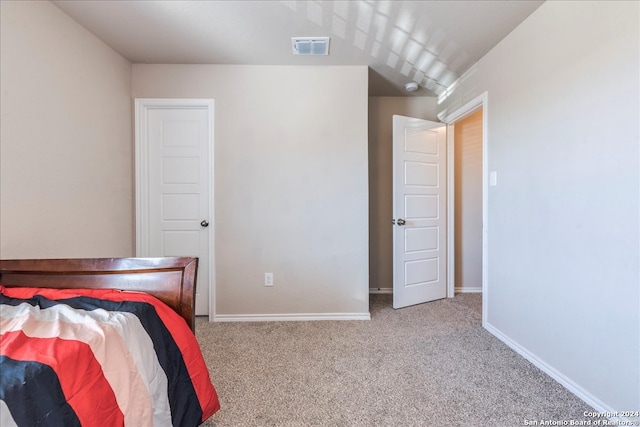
x,y
468,203
381,111
66,152
290,182
563,115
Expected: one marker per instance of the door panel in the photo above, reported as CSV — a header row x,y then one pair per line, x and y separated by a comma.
x,y
419,197
176,138
420,239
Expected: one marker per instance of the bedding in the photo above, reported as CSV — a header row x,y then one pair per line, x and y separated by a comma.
x,y
98,357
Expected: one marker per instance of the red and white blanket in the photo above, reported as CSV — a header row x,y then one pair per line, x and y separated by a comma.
x,y
98,358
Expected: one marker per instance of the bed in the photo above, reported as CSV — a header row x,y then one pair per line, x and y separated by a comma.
x,y
101,341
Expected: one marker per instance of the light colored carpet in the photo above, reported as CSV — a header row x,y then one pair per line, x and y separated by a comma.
x,y
427,365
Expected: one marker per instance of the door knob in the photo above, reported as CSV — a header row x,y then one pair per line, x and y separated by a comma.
x,y
204,223
401,221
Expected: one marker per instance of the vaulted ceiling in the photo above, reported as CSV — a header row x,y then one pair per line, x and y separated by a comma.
x,y
431,43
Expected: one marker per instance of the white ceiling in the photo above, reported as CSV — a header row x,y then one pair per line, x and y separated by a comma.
x,y
429,42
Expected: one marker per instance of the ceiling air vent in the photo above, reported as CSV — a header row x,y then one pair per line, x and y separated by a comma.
x,y
310,45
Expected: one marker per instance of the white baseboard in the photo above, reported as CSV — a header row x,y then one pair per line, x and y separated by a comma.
x,y
465,290
566,382
380,290
468,290
290,317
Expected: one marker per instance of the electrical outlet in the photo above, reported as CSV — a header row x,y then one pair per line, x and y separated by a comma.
x,y
268,279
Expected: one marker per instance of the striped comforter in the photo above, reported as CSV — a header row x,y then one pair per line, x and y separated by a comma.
x,y
98,358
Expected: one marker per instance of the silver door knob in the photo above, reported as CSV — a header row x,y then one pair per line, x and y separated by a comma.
x,y
204,223
401,221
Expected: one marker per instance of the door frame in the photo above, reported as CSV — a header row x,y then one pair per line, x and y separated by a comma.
x,y
481,101
141,166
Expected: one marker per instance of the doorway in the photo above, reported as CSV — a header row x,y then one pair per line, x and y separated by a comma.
x,y
381,110
477,126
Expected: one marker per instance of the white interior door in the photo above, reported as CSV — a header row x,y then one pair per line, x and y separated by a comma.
x,y
173,144
419,211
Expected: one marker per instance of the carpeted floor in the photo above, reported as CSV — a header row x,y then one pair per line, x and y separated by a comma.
x,y
427,365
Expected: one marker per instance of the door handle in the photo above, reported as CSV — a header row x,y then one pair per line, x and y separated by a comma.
x,y
204,223
401,221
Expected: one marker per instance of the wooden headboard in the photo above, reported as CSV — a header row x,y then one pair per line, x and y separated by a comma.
x,y
170,279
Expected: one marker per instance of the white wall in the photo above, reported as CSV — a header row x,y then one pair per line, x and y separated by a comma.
x,y
468,203
563,221
66,180
381,111
290,182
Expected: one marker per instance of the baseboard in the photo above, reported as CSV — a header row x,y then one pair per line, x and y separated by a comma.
x,y
468,290
380,290
566,382
293,317
465,290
